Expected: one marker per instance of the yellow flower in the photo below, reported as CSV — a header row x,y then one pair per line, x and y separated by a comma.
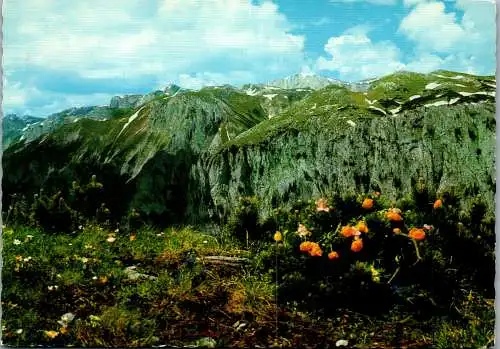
x,y
103,279
111,238
278,236
64,330
51,334
133,237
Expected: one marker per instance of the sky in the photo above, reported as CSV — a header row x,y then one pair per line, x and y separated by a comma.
x,y
60,54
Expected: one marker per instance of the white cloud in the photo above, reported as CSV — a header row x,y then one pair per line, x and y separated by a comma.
x,y
135,38
467,43
354,56
432,28
91,35
425,63
199,80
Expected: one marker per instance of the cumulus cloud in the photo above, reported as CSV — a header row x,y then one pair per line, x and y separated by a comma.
x,y
151,41
441,40
466,43
355,56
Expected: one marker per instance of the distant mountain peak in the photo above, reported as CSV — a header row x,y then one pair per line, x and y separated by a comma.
x,y
304,79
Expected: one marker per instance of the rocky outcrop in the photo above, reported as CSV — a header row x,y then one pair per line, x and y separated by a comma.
x,y
128,101
449,148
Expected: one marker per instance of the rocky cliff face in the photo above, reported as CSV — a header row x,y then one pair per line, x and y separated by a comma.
x,y
128,101
450,149
188,156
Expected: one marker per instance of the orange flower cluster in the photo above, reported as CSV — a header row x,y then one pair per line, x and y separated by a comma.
x,y
312,248
357,245
438,204
367,204
321,205
362,227
394,215
348,231
333,255
416,234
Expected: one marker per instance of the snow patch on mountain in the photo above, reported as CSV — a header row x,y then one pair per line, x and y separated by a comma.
x,y
432,85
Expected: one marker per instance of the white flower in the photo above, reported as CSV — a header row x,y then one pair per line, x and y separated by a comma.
x,y
89,246
19,331
70,244
27,259
84,260
205,241
111,239
160,234
68,317
17,242
94,277
341,343
58,275
117,230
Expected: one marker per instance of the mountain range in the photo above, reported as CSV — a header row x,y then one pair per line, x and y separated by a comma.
x,y
180,155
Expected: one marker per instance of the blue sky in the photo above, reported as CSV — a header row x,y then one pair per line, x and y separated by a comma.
x,y
59,54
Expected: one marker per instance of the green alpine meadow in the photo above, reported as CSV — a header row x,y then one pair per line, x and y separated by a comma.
x,y
259,216
248,174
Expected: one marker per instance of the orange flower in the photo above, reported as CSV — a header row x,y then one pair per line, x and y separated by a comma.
x,y
333,255
306,246
316,251
103,279
357,245
393,215
438,204
278,236
64,330
362,227
396,231
321,205
367,204
348,231
19,258
416,234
